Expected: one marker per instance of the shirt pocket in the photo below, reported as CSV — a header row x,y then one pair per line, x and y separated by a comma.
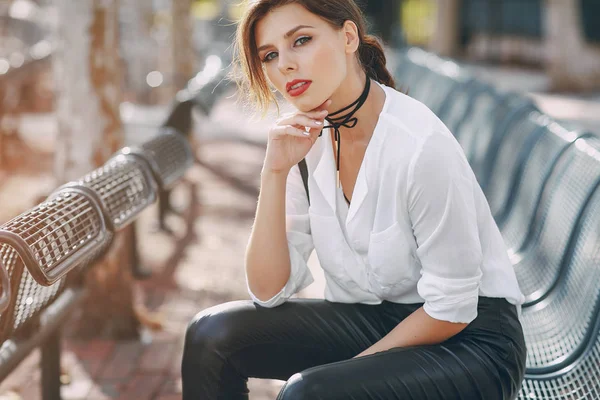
x,y
392,260
328,241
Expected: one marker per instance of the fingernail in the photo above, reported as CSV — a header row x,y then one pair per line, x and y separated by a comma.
x,y
318,123
306,133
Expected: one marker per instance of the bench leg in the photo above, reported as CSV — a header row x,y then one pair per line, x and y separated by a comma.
x,y
138,271
51,367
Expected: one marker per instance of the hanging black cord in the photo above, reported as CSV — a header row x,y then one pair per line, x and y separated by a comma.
x,y
347,121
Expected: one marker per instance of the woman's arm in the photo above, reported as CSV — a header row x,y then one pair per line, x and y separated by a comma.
x,y
267,254
416,329
441,206
280,243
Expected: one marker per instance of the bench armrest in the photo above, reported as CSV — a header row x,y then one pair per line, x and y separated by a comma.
x,y
64,232
169,155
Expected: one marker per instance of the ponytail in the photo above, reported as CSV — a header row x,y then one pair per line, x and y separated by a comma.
x,y
373,61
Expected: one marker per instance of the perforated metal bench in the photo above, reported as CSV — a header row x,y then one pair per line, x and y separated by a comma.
x,y
562,330
5,291
38,248
123,187
168,155
513,150
567,191
543,185
44,251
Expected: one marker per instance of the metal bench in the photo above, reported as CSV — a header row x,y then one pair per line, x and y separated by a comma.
x,y
38,248
479,115
568,189
512,152
510,108
543,185
5,291
123,187
525,194
562,331
57,235
202,91
44,251
168,156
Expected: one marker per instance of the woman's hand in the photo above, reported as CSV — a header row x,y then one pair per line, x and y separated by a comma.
x,y
289,141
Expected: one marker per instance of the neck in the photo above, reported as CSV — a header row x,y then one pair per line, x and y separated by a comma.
x,y
350,89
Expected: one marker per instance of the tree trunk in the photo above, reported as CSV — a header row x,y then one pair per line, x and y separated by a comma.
x,y
573,64
88,79
2,138
138,47
446,36
183,47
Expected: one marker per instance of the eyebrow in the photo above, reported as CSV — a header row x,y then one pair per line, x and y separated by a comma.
x,y
287,35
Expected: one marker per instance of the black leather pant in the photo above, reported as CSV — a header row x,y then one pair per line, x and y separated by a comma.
x,y
310,344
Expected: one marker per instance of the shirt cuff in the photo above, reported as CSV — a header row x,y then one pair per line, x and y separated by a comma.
x,y
300,278
450,299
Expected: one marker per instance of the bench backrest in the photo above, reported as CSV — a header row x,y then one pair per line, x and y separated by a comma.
x,y
39,247
514,149
169,155
509,109
563,331
124,187
568,189
5,291
525,194
478,117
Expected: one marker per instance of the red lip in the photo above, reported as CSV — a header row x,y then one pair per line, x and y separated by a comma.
x,y
300,90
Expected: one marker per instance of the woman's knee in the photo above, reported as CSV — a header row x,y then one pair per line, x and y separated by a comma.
x,y
303,386
213,330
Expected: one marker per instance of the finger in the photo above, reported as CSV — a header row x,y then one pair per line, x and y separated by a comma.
x,y
313,133
302,121
289,130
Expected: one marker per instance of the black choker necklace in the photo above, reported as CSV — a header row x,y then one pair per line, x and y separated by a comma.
x,y
346,121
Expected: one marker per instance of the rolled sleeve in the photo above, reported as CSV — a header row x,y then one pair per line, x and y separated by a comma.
x,y
300,243
443,215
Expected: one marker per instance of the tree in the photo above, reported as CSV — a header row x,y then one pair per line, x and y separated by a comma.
x,y
88,78
573,64
183,48
445,39
138,46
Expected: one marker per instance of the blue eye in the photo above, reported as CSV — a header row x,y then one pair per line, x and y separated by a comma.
x,y
267,58
308,38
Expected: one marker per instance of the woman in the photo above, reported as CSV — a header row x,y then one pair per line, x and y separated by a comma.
x,y
421,301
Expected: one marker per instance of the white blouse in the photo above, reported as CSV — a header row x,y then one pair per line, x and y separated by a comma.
x,y
418,228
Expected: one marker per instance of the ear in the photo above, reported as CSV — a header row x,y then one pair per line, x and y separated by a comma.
x,y
351,37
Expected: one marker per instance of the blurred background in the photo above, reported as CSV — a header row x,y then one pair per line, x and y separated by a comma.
x,y
81,79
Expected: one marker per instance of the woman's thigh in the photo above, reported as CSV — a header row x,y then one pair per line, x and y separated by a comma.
x,y
438,372
484,361
277,342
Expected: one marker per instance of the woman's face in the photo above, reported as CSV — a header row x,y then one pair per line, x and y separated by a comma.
x,y
296,46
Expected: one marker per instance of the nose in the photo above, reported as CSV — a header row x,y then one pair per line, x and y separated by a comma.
x,y
286,62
